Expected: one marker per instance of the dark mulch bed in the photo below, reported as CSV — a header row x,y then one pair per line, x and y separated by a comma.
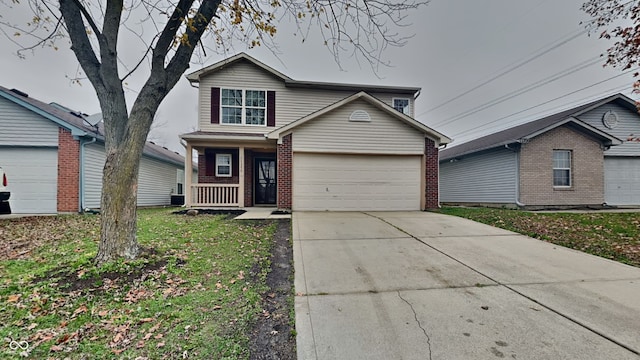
x,y
273,337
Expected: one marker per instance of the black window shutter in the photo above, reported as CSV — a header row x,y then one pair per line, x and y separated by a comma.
x,y
215,105
210,163
271,108
235,161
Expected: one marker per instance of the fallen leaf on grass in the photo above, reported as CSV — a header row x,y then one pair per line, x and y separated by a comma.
x,y
82,309
160,344
32,326
14,298
56,348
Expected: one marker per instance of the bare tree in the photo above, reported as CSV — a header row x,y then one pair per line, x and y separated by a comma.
x,y
171,32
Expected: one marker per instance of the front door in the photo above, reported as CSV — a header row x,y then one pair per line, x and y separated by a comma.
x,y
265,181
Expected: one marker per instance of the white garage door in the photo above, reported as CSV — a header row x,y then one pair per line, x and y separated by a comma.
x,y
622,180
356,182
33,177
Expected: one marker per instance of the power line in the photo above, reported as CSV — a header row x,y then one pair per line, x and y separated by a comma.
x,y
510,68
552,100
566,72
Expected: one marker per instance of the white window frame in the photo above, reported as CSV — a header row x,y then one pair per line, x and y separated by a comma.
x,y
568,169
179,181
406,110
218,165
244,107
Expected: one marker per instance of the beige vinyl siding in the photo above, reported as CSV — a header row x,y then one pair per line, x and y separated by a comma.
x,y
628,124
291,103
333,132
20,126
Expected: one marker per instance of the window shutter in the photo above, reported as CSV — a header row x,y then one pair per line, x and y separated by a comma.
x,y
235,163
210,163
215,105
271,108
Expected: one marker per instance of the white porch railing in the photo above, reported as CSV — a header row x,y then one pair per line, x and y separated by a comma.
x,y
210,195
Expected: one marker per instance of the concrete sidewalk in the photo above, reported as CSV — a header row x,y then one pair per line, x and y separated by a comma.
x,y
416,285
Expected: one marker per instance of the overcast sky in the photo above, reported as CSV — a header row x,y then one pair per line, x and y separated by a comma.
x,y
483,65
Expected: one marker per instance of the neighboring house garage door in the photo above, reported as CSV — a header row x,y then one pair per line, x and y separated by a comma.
x,y
356,182
33,177
622,180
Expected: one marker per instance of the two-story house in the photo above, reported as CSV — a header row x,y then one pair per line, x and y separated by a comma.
x,y
266,139
588,155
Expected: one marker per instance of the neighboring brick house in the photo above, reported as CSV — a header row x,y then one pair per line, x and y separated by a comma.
x,y
266,139
54,159
584,156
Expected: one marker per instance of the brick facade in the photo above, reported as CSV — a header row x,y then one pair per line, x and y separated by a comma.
x,y
536,169
432,200
284,163
68,172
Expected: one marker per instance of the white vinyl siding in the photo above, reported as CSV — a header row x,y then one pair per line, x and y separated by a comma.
x,y
356,182
333,132
156,179
20,126
622,180
32,174
485,178
291,103
628,124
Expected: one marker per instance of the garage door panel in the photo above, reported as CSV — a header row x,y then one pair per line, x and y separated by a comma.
x,y
356,182
622,180
32,175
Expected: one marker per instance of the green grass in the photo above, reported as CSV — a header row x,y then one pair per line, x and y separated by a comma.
x,y
613,236
195,294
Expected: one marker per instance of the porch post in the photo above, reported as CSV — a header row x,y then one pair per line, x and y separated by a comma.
x,y
241,177
188,171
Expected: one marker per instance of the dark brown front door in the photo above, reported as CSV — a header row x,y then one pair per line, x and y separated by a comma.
x,y
265,181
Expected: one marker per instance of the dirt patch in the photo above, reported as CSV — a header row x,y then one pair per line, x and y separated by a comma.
x,y
273,337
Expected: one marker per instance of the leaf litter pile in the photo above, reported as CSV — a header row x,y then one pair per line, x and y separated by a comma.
x,y
198,290
610,235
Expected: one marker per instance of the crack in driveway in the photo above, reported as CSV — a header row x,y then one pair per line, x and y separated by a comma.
x,y
415,316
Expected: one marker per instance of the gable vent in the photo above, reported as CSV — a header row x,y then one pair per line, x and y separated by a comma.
x,y
360,115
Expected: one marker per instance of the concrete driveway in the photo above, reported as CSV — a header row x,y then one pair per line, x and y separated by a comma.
x,y
416,285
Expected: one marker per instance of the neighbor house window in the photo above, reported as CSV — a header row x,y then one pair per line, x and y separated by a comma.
x,y
243,107
223,164
401,105
562,168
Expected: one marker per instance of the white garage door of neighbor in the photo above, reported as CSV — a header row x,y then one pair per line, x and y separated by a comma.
x,y
356,182
622,181
32,174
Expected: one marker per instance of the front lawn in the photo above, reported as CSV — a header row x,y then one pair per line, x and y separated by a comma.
x,y
194,293
610,235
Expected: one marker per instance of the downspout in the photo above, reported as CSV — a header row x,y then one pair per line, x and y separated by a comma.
x,y
520,204
81,195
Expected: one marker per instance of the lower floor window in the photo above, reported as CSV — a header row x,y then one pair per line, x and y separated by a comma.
x,y
562,168
223,164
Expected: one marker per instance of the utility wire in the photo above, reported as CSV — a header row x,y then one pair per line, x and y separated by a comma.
x,y
552,100
525,89
510,68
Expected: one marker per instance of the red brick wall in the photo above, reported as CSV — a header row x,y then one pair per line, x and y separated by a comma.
x,y
68,171
207,161
431,175
285,165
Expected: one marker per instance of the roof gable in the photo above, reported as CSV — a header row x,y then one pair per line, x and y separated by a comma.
x,y
436,136
531,129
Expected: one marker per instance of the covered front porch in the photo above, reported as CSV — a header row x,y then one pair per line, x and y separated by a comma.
x,y
233,170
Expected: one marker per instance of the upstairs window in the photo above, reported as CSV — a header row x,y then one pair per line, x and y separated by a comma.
x,y
243,107
401,105
562,168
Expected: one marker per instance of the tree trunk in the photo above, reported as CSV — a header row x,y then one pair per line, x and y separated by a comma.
x,y
118,206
